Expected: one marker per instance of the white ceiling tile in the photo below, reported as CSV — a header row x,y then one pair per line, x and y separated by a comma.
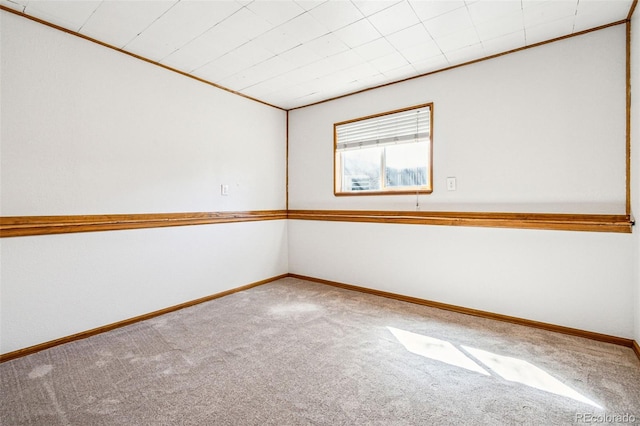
x,y
362,72
375,49
233,62
295,52
343,60
18,5
120,22
466,54
202,50
548,31
595,13
358,33
488,10
256,74
432,64
297,31
369,7
458,40
549,11
449,23
312,71
68,14
336,14
410,36
504,43
427,10
300,56
252,53
326,45
394,18
400,73
276,12
420,53
179,25
389,62
499,27
309,4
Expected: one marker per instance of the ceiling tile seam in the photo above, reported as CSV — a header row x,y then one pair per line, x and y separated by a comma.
x,y
292,48
249,41
430,35
524,28
90,16
203,33
148,26
466,5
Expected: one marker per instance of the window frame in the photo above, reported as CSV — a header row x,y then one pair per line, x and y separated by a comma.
x,y
337,173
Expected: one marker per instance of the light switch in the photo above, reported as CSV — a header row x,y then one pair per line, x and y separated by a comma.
x,y
451,184
224,189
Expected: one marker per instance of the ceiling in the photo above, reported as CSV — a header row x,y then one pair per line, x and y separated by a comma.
x,y
291,53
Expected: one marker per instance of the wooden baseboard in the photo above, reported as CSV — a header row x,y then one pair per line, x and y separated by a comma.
x,y
454,308
636,348
84,334
483,314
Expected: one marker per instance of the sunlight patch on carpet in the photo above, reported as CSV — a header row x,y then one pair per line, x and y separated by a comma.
x,y
509,368
435,349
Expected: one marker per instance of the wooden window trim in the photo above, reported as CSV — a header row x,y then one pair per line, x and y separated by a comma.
x,y
388,191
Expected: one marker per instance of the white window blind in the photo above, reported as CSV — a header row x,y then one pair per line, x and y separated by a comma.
x,y
402,127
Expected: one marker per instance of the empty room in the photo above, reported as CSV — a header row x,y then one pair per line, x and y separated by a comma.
x,y
389,212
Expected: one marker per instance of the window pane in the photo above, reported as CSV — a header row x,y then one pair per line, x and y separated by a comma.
x,y
406,164
361,169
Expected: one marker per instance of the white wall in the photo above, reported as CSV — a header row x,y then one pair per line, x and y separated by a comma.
x,y
87,130
635,155
575,279
538,130
541,130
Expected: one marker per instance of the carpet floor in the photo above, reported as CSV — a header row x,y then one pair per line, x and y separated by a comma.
x,y
293,352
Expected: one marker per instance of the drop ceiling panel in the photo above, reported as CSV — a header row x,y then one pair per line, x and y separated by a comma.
x,y
68,14
120,22
178,26
291,53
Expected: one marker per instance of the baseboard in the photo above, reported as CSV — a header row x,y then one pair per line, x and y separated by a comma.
x,y
84,334
483,314
454,308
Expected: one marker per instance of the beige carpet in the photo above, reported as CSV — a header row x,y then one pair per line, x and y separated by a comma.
x,y
293,352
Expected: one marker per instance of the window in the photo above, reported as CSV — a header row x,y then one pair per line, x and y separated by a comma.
x,y
388,153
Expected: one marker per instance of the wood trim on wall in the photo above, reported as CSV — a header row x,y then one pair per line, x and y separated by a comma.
x,y
621,341
84,334
628,116
549,221
20,226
